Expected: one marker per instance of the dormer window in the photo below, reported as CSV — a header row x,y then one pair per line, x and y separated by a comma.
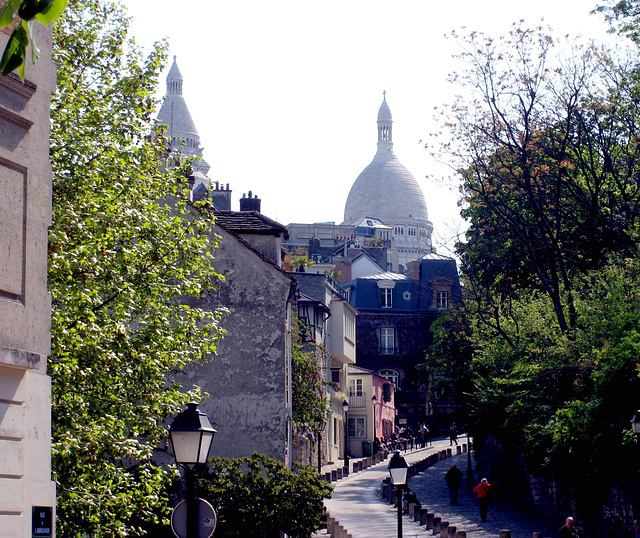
x,y
385,290
386,298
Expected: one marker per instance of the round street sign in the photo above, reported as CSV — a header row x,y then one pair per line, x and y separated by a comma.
x,y
205,514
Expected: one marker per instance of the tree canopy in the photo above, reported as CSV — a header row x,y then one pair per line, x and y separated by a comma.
x,y
547,151
125,248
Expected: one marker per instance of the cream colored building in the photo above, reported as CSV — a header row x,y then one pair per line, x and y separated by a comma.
x,y
27,494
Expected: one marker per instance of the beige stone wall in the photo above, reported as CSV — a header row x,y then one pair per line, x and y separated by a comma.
x,y
25,304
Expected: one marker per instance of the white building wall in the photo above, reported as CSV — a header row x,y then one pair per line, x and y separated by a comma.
x,y
25,304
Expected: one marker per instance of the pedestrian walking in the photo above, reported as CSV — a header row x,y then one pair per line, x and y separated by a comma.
x,y
483,491
453,434
568,530
424,432
636,528
453,478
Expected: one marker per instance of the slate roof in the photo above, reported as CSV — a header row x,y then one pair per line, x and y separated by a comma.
x,y
250,222
386,276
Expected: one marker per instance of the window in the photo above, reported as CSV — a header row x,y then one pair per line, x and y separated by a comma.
x,y
386,297
387,341
412,231
335,376
358,427
399,230
443,299
390,375
335,431
355,387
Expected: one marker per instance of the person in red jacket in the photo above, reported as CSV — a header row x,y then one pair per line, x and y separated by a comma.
x,y
483,491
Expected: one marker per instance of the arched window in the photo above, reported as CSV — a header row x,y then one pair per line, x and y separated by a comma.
x,y
390,375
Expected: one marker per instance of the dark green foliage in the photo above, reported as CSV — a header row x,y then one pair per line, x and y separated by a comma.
x,y
257,497
549,159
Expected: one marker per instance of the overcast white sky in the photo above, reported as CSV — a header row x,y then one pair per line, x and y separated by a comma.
x,y
285,93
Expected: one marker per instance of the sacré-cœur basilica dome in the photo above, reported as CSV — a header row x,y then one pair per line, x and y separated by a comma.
x,y
386,190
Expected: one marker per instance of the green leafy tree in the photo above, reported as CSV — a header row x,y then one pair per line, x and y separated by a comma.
x,y
548,157
258,497
23,15
125,247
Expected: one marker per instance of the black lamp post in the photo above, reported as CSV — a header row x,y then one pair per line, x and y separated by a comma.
x,y
345,410
191,437
374,401
469,468
398,469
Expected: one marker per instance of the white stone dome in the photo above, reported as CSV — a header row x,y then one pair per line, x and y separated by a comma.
x,y
386,189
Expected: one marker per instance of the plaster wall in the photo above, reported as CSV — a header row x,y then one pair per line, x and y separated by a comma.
x,y
364,267
25,304
267,245
249,379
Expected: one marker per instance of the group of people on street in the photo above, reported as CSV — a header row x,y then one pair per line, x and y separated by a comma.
x,y
484,494
483,490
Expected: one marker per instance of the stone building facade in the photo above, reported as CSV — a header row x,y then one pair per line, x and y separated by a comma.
x,y
394,329
249,378
27,492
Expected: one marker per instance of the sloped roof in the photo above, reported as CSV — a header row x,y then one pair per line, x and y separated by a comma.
x,y
250,222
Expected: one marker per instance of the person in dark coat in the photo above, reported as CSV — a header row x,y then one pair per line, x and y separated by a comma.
x,y
453,478
568,530
453,434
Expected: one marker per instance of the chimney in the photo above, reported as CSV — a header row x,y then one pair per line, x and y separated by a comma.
x,y
250,203
221,197
413,269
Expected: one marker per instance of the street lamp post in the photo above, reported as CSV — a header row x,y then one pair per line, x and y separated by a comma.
x,y
345,410
191,437
469,468
398,469
374,401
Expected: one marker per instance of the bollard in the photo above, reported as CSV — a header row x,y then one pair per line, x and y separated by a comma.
x,y
334,475
410,508
537,535
451,531
458,450
461,534
422,514
505,534
429,521
416,512
449,452
436,525
444,526
339,474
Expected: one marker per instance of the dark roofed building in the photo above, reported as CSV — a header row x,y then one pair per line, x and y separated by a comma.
x,y
393,328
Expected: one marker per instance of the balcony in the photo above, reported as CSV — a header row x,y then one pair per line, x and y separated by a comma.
x,y
357,400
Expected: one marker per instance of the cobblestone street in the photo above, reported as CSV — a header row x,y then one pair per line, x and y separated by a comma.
x,y
357,506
